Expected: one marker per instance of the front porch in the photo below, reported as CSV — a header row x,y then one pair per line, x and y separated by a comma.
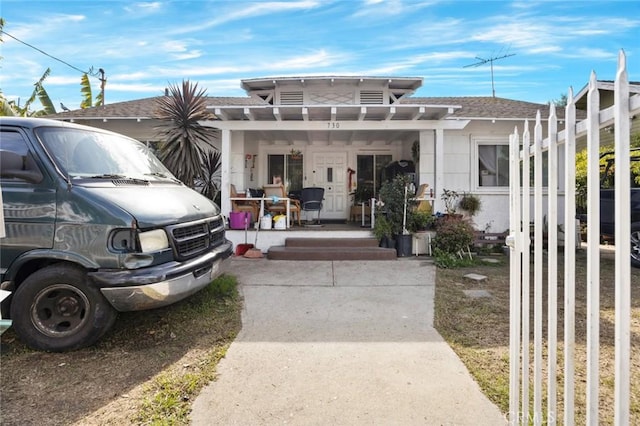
x,y
268,238
277,237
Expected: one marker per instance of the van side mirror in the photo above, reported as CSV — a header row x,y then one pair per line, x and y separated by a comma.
x,y
14,165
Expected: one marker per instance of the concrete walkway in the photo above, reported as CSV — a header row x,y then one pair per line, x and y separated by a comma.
x,y
340,343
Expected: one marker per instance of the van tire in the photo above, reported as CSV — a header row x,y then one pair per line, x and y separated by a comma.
x,y
635,245
56,309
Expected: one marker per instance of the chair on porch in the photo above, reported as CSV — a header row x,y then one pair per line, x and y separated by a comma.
x,y
312,198
243,206
280,207
422,194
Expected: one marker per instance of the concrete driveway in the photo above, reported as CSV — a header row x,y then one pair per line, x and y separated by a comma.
x,y
340,343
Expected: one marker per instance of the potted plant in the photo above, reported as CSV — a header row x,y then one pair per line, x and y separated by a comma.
x,y
397,204
450,199
383,232
419,221
470,203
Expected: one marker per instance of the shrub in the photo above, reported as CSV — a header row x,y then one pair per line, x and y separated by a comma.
x,y
445,260
419,221
453,234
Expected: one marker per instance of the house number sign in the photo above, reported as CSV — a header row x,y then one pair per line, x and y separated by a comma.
x,y
333,125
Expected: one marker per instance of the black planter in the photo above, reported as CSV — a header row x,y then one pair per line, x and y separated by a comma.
x,y
403,245
387,242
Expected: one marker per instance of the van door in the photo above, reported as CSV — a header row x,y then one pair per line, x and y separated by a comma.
x,y
29,208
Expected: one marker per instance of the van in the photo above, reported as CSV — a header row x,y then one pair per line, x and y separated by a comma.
x,y
607,202
95,225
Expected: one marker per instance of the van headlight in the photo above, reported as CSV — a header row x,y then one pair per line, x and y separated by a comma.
x,y
155,240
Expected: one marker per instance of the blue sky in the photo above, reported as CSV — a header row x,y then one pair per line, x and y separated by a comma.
x,y
145,46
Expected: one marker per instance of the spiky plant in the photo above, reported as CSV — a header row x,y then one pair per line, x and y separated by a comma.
x,y
183,137
211,163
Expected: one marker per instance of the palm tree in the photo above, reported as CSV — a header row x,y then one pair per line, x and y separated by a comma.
x,y
211,163
184,138
11,108
87,97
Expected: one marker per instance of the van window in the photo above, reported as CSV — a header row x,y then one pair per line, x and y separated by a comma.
x,y
14,143
82,154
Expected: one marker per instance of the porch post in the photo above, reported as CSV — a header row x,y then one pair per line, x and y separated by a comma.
x,y
225,203
439,169
426,160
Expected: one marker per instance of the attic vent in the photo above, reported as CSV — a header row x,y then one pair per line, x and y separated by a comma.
x,y
371,97
291,98
267,98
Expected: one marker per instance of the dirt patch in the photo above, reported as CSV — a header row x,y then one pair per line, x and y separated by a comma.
x,y
104,384
478,330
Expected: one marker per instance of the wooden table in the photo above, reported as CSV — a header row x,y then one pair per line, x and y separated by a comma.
x,y
261,200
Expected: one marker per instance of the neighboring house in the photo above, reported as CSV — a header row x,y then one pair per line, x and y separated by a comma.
x,y
606,93
339,132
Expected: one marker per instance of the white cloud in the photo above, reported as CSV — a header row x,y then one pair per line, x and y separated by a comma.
x,y
192,54
242,11
143,8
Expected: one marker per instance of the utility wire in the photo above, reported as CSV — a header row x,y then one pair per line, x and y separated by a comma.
x,y
45,53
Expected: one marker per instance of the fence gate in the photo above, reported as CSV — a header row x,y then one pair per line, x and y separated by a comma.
x,y
534,398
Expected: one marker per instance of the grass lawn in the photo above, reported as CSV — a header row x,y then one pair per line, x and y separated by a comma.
x,y
478,330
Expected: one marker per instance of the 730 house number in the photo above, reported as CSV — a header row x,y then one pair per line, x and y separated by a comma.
x,y
333,125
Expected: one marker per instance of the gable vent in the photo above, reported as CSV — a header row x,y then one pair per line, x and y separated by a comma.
x,y
371,97
291,98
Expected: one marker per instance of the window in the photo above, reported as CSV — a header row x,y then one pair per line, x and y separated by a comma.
x,y
493,165
370,170
288,167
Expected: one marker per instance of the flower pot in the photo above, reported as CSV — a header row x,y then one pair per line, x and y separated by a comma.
x,y
403,245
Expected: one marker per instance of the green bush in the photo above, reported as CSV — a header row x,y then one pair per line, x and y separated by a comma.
x,y
445,260
393,195
453,234
419,221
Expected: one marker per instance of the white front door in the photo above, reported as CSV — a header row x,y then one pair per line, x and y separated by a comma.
x,y
330,172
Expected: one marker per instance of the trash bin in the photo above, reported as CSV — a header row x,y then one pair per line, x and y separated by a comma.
x,y
237,219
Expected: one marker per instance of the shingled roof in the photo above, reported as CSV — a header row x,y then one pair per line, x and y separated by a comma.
x,y
143,108
487,107
470,108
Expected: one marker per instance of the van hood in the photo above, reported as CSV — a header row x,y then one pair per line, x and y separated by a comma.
x,y
154,205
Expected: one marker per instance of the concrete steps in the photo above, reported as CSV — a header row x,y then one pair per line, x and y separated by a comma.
x,y
331,249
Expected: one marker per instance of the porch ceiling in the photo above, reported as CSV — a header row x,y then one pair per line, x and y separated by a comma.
x,y
402,112
338,138
356,122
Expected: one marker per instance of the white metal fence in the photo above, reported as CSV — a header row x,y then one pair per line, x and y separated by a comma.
x,y
527,383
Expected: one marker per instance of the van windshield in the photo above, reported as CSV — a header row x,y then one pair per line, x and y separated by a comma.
x,y
80,153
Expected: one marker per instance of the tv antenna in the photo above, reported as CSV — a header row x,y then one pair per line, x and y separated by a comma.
x,y
491,60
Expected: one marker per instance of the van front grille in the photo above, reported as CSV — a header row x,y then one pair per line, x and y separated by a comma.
x,y
194,238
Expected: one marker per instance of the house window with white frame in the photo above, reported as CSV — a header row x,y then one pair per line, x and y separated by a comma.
x,y
286,169
493,165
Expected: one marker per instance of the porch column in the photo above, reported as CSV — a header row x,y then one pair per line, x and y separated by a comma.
x,y
439,169
225,151
427,161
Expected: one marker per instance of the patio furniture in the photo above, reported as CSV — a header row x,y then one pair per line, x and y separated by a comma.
x,y
277,202
312,198
242,205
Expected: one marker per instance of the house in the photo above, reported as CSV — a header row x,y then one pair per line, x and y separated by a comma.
x,y
340,132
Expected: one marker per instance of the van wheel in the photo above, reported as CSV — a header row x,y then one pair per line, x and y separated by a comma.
x,y
635,245
54,309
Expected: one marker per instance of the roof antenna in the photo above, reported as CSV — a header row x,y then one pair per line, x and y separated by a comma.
x,y
482,61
